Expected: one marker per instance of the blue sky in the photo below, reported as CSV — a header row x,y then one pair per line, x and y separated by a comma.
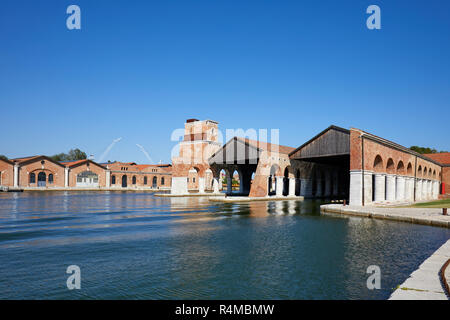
x,y
138,69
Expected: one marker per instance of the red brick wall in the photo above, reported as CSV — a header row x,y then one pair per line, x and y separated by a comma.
x,y
446,179
48,168
6,174
400,160
74,171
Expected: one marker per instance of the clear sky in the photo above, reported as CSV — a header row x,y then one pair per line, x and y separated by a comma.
x,y
138,69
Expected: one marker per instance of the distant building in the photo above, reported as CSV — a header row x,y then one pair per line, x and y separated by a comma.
x,y
41,172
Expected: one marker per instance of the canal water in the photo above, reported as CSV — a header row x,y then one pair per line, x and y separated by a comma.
x,y
136,246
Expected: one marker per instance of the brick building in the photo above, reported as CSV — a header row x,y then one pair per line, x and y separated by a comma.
x,y
41,172
336,163
444,160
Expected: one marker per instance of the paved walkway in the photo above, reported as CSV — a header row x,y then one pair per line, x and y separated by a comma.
x,y
427,216
425,283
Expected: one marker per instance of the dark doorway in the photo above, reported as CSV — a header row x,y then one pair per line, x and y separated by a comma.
x,y
124,181
41,179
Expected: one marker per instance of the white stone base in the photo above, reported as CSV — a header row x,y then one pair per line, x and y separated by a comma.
x,y
179,185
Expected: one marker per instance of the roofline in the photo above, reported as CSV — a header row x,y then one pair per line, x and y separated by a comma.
x,y
232,139
7,161
319,134
31,159
397,146
82,161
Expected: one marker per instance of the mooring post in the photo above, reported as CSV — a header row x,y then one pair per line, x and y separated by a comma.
x,y
345,202
444,211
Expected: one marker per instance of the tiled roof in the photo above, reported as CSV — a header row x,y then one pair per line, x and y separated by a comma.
x,y
19,160
269,146
443,158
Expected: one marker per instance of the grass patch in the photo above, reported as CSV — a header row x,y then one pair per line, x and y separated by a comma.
x,y
445,203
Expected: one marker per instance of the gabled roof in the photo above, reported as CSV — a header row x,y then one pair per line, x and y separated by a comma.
x,y
266,146
76,163
26,160
443,158
343,132
247,149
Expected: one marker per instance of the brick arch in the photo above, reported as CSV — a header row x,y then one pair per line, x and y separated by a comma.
x,y
390,166
419,171
378,164
275,170
409,170
434,174
401,168
425,172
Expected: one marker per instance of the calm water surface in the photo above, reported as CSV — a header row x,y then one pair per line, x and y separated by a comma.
x,y
137,246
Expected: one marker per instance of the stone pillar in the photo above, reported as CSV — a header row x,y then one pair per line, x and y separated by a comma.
x,y
279,186
292,187
423,190
368,192
229,184
108,178
430,189
380,187
327,192
179,185
66,177
418,189
355,188
319,188
409,191
216,185
201,185
306,187
400,188
16,176
390,187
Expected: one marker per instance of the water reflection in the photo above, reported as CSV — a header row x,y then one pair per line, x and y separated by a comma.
x,y
135,245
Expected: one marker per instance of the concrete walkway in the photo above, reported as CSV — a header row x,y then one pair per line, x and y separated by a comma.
x,y
427,216
425,283
250,199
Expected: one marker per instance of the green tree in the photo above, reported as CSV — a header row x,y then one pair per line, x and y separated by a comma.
x,y
74,154
3,157
424,150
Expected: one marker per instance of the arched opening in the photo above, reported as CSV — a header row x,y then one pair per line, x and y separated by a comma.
x,y
50,178
298,182
222,180
32,177
419,171
193,179
133,180
155,182
87,179
390,167
434,174
400,168
162,181
425,172
274,172
409,169
378,164
145,180
124,181
113,179
41,179
236,181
